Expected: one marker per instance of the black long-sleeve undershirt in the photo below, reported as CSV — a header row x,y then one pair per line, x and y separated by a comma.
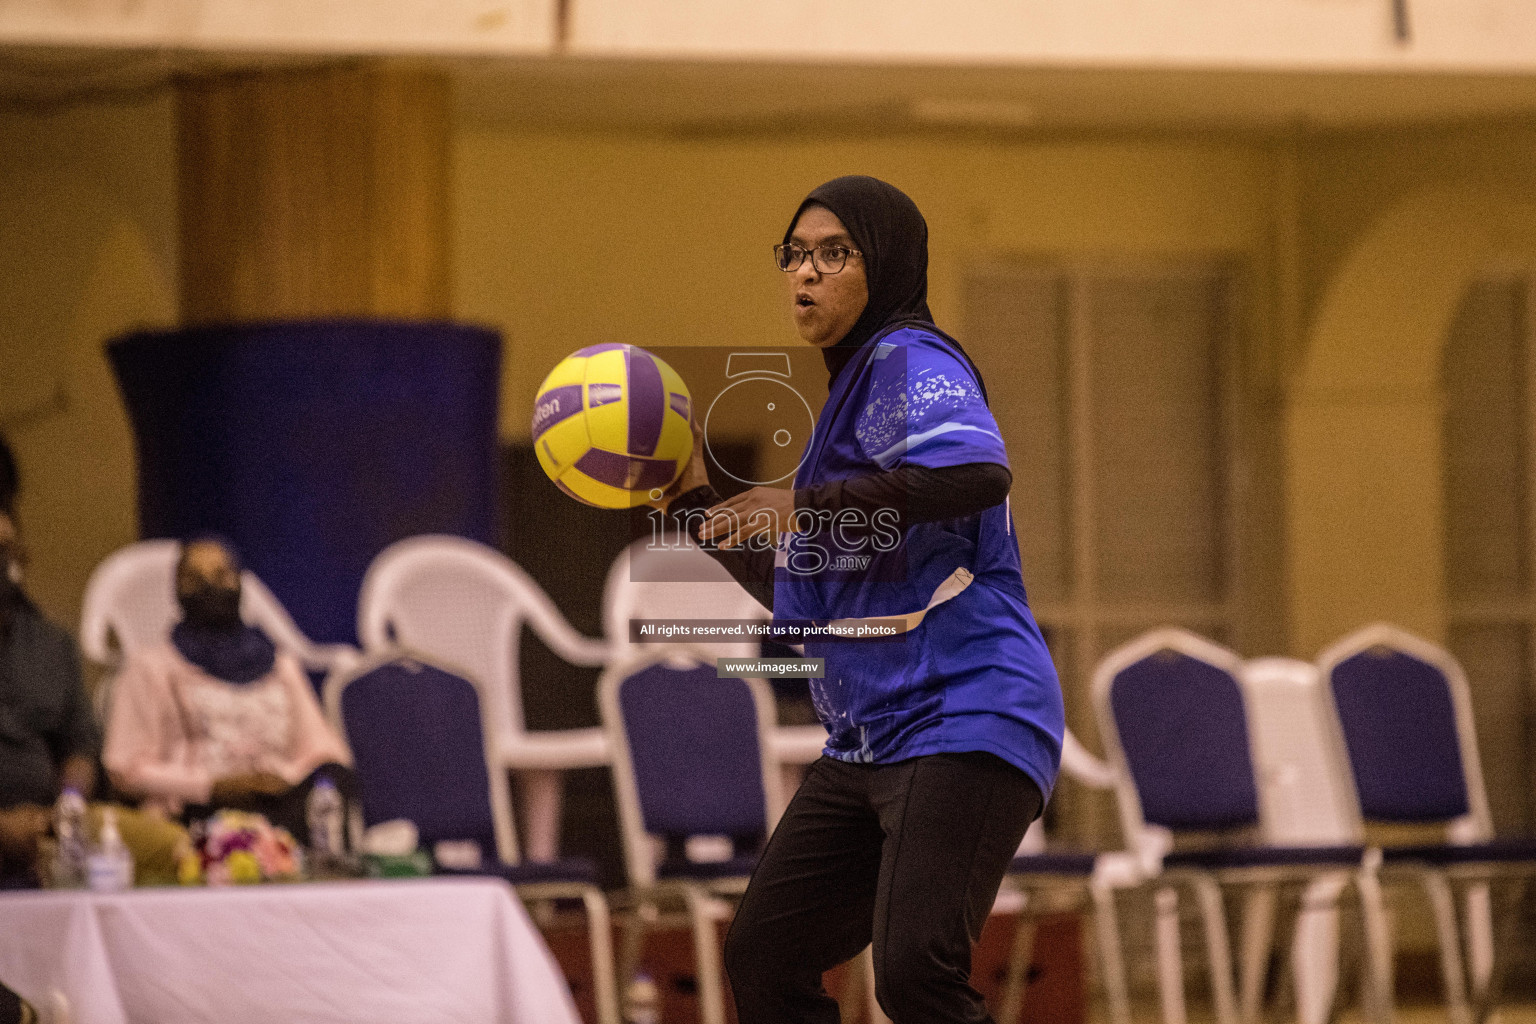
x,y
916,494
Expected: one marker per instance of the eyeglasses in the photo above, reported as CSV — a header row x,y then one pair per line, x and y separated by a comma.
x,y
828,259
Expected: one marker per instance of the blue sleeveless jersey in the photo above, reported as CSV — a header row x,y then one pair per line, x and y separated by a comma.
x,y
975,674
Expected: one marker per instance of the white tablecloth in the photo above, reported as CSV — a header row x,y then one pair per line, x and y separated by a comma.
x,y
421,951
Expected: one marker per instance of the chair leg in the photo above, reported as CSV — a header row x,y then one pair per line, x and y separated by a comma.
x,y
1443,902
631,944
1377,987
706,957
605,988
542,791
1170,959
1316,942
1017,979
1218,945
1488,1000
1479,932
1106,927
1284,1006
1258,942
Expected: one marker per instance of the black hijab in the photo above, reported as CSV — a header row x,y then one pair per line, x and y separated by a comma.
x,y
889,229
211,634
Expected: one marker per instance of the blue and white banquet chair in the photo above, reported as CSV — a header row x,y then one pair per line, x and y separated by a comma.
x,y
692,767
467,604
422,749
1174,719
1042,881
674,578
1406,713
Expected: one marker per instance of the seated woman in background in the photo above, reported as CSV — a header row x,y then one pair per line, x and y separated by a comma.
x,y
217,716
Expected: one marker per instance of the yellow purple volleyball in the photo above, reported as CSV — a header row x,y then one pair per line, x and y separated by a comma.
x,y
611,425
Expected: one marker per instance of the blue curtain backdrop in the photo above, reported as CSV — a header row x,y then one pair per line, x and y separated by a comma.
x,y
314,445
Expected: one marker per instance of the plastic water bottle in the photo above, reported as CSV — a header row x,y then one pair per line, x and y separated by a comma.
x,y
109,868
323,814
69,830
642,1001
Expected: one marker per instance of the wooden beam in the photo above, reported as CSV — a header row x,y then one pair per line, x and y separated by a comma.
x,y
315,193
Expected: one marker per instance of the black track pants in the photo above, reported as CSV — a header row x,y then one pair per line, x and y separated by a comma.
x,y
908,856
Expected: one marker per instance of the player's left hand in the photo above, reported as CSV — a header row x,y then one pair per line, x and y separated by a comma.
x,y
695,474
761,510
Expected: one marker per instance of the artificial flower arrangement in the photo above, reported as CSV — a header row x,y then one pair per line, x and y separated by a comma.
x,y
240,848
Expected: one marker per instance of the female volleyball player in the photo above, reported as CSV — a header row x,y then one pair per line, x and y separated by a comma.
x,y
945,741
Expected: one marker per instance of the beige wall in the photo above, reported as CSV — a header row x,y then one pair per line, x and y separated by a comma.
x,y
87,214
1393,230
555,234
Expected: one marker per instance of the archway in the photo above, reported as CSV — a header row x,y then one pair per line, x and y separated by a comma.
x,y
1362,432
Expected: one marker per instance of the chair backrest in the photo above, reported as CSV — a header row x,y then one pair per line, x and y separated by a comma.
x,y
1079,763
130,603
691,754
419,745
465,604
1406,714
1175,727
674,579
1306,789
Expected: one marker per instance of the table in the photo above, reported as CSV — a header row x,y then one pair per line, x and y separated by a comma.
x,y
413,951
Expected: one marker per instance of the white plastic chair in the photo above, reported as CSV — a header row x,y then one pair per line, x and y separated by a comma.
x,y
130,603
466,604
1306,798
679,580
1078,762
